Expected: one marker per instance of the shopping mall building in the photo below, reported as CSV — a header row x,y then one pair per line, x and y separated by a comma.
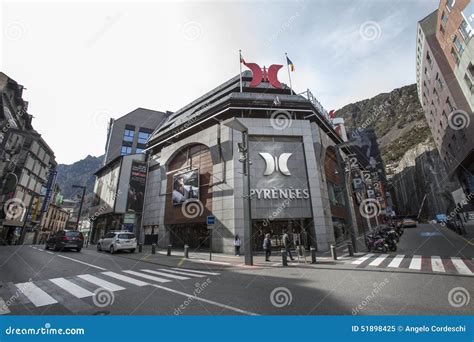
x,y
195,170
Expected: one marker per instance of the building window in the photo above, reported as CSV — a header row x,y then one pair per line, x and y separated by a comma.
x,y
464,29
440,81
450,5
126,150
139,150
457,43
470,68
469,83
128,135
435,94
450,106
428,58
143,137
444,19
455,55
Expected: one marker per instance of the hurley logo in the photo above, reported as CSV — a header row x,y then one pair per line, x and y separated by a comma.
x,y
274,163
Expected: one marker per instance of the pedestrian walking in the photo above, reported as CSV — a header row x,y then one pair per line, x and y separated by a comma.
x,y
287,244
237,244
267,247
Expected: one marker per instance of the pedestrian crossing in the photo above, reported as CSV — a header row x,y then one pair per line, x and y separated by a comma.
x,y
435,264
66,290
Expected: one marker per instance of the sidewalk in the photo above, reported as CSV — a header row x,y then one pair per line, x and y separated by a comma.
x,y
200,260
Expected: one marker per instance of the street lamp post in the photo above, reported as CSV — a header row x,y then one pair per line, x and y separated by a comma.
x,y
235,124
82,201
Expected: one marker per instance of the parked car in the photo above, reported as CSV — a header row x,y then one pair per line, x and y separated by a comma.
x,y
407,223
65,239
117,241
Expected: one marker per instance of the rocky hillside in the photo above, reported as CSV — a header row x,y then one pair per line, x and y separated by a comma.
x,y
397,118
80,173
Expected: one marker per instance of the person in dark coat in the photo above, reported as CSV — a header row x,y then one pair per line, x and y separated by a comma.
x,y
287,244
267,247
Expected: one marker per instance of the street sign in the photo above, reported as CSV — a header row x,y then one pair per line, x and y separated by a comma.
x,y
211,220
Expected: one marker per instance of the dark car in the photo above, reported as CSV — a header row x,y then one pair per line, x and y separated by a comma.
x,y
65,239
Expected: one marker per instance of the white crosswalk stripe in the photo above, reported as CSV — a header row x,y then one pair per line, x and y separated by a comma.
x,y
100,282
378,260
172,276
195,271
125,278
35,295
72,288
396,261
147,276
460,266
362,259
415,263
3,307
183,273
437,264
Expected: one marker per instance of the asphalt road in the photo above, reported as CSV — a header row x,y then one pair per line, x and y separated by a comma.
x,y
65,283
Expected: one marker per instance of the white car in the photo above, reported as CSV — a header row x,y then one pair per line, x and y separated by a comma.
x,y
117,241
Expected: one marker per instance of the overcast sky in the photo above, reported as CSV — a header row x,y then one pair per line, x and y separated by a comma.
x,y
83,63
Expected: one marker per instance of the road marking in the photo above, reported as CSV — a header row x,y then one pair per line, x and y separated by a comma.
x,y
172,276
195,271
437,264
125,278
100,282
3,307
50,252
396,261
415,263
82,262
379,260
460,266
183,273
362,259
147,276
35,295
72,288
187,295
210,262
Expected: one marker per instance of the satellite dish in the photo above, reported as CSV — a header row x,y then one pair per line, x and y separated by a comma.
x,y
11,181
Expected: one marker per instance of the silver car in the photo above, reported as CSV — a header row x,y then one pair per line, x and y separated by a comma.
x,y
117,241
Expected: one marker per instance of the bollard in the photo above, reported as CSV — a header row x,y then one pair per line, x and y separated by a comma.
x,y
313,255
186,251
153,248
350,248
284,258
333,252
140,247
168,252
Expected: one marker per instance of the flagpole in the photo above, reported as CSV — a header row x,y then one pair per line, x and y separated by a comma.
x,y
240,65
289,75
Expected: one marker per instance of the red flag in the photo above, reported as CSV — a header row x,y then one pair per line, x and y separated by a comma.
x,y
331,114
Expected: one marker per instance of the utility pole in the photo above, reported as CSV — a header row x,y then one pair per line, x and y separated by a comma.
x,y
82,201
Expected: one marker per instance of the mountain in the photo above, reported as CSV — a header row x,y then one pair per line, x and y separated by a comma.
x,y
80,173
397,118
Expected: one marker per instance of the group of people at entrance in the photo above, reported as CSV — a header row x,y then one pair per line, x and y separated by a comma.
x,y
267,245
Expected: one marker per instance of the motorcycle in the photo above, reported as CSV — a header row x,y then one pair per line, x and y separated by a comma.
x,y
376,243
390,239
